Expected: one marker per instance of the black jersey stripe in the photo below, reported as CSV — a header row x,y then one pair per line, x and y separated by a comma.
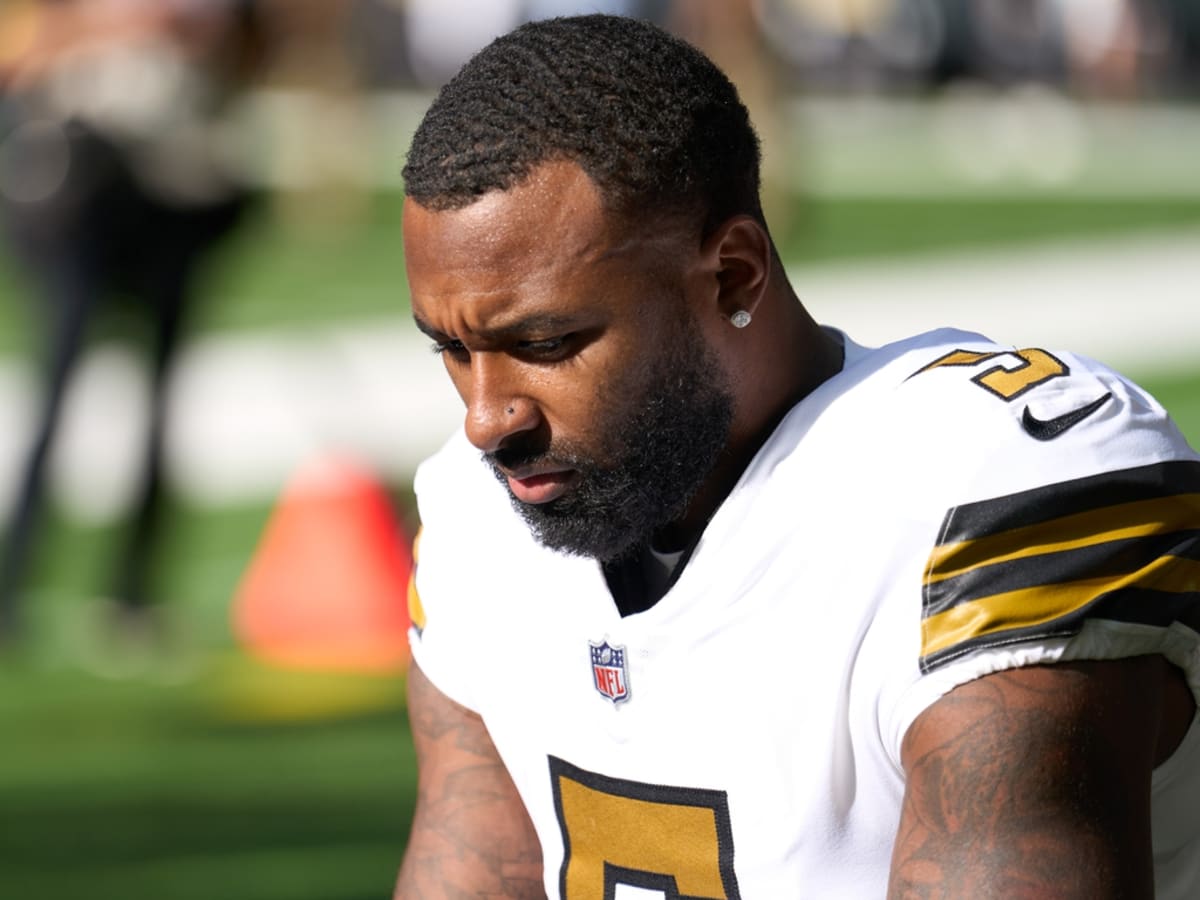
x,y
1056,609
973,521
1128,605
1126,521
1100,560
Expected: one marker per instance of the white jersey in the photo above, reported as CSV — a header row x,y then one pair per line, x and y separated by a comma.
x,y
941,509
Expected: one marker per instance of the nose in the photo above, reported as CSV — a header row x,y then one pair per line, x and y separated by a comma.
x,y
496,408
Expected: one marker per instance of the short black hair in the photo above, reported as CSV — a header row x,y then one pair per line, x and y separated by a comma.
x,y
654,123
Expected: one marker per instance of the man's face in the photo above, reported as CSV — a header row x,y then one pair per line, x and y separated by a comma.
x,y
571,337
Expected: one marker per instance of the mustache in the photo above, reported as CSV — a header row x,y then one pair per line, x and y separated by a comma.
x,y
516,456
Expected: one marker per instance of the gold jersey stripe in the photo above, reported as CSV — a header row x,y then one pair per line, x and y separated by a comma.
x,y
1160,515
416,610
1047,603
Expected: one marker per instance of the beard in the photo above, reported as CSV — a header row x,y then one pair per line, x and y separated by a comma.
x,y
656,456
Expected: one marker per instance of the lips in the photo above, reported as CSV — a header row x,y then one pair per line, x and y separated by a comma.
x,y
541,487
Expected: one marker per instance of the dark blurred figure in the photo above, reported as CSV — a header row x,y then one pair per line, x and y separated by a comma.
x,y
115,185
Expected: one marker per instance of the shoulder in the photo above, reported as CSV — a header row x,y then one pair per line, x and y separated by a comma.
x,y
980,420
1029,396
1075,483
468,524
469,538
1064,505
455,473
950,418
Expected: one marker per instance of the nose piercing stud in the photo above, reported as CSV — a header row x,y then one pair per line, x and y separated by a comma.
x,y
510,410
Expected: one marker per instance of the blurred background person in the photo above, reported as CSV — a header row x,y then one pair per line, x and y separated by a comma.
x,y
116,186
730,33
310,99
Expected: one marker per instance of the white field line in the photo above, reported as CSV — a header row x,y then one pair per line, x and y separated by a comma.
x,y
250,408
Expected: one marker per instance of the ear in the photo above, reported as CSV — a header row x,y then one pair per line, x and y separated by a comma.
x,y
739,253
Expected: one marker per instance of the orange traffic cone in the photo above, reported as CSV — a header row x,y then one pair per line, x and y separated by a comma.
x,y
326,587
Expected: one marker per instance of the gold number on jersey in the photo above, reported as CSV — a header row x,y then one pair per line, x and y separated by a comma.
x,y
671,839
1017,371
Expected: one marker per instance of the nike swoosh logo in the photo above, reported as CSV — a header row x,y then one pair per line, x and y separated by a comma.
x,y
1048,429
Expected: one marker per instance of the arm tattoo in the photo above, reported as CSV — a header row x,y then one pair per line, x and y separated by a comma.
x,y
1016,799
471,836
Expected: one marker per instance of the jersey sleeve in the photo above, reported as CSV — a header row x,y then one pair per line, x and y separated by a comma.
x,y
1123,547
1077,536
436,648
443,591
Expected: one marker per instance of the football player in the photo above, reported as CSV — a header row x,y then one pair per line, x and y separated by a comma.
x,y
711,600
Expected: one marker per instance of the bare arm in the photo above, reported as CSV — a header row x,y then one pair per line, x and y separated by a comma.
x,y
471,836
1035,783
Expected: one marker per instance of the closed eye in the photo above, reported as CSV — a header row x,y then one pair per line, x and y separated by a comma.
x,y
542,351
546,347
452,348
550,350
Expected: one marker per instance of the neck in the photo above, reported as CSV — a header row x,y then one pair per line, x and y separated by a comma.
x,y
788,357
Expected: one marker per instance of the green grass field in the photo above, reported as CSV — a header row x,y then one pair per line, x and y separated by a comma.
x,y
136,789
205,775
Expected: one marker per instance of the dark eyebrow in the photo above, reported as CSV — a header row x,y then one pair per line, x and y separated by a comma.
x,y
426,329
538,323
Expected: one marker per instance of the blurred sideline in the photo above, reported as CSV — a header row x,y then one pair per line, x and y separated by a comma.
x,y
250,408
972,139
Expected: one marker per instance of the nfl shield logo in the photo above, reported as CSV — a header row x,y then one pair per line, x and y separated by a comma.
x,y
608,671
